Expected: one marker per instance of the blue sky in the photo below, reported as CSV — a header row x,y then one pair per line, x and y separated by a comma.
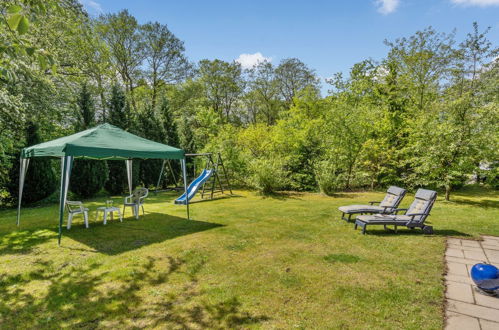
x,y
329,36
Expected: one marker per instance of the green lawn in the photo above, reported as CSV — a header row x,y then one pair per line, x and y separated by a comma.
x,y
247,261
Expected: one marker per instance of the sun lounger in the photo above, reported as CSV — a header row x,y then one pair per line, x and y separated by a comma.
x,y
392,200
414,216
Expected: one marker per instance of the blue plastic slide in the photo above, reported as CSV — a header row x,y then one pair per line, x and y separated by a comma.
x,y
194,186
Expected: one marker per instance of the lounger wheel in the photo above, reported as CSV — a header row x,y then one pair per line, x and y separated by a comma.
x,y
428,230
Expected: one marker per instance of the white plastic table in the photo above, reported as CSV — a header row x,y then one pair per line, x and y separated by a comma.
x,y
108,209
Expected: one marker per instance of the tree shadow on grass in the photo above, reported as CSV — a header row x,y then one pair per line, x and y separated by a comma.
x,y
24,241
283,195
485,203
89,295
118,237
215,198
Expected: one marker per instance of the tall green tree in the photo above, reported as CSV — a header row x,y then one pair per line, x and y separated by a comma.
x,y
151,128
165,56
351,117
171,138
263,95
88,176
223,85
458,132
121,33
423,61
119,115
293,76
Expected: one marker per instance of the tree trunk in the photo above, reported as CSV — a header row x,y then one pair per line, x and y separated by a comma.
x,y
154,90
349,174
447,192
132,98
154,95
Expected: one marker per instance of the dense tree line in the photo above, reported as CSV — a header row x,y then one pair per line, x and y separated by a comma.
x,y
425,115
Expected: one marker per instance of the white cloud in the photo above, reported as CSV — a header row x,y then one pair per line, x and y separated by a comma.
x,y
92,6
387,6
247,61
479,3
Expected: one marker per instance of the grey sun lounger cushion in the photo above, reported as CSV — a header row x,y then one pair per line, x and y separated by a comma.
x,y
414,216
350,209
392,199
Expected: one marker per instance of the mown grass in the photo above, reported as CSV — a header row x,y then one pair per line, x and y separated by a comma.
x,y
244,262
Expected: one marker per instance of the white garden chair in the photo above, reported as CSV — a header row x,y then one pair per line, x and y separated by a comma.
x,y
136,201
76,207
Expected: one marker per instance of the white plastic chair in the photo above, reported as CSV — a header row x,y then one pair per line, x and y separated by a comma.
x,y
136,201
76,207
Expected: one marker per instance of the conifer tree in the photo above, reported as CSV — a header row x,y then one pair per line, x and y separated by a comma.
x,y
40,181
118,115
171,138
88,176
151,128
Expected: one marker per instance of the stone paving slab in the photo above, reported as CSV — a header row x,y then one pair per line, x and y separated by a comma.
x,y
459,291
467,307
481,312
460,321
487,325
463,260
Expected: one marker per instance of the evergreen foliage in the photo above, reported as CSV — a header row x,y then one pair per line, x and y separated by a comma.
x,y
41,180
119,115
87,176
172,139
151,128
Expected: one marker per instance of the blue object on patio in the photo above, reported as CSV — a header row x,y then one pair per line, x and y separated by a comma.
x,y
486,277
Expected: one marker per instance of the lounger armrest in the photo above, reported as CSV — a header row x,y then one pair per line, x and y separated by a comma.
x,y
373,202
389,210
396,211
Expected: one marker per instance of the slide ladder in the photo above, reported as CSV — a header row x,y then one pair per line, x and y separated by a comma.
x,y
216,183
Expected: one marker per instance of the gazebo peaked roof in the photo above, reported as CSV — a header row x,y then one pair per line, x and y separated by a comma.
x,y
103,142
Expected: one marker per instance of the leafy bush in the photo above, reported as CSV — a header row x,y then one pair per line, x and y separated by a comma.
x,y
88,177
327,179
267,175
234,158
492,177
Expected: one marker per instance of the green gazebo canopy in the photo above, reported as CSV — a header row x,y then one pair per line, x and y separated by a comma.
x,y
103,142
